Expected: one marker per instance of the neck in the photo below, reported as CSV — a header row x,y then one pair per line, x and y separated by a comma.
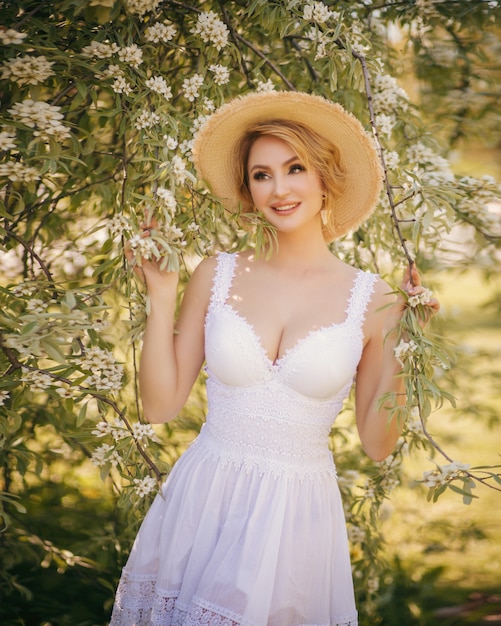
x,y
300,248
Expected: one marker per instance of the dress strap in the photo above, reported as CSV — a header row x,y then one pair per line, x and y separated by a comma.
x,y
223,278
361,295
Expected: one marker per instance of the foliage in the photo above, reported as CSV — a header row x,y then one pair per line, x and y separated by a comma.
x,y
100,101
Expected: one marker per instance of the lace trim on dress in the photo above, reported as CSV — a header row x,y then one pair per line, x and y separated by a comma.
x,y
223,278
140,603
360,297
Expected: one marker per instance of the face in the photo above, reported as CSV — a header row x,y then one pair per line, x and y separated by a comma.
x,y
283,190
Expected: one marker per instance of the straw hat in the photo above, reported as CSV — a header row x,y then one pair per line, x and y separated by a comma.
x,y
215,148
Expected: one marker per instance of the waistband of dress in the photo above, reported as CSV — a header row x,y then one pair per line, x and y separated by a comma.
x,y
263,460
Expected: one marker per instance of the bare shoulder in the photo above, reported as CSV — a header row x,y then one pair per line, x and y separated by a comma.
x,y
205,270
200,284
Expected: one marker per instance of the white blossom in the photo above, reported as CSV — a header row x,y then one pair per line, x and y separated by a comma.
x,y
143,433
316,12
144,246
146,119
170,142
160,32
102,429
3,397
24,289
185,146
385,124
387,95
403,350
421,298
159,85
168,199
173,234
11,37
121,85
191,86
320,39
144,486
211,29
444,474
35,305
27,70
17,172
64,392
140,7
132,55
100,50
265,86
7,140
179,169
119,430
198,122
118,224
106,373
432,168
105,454
221,74
208,104
43,117
391,159
36,380
112,71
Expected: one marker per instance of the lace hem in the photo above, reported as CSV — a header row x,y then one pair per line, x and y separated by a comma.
x,y
139,602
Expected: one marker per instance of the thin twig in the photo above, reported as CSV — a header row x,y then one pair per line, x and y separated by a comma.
x,y
34,255
234,36
267,62
389,193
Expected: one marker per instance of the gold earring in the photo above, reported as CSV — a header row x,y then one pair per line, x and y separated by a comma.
x,y
324,213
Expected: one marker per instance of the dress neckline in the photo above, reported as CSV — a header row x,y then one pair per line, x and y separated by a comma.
x,y
279,361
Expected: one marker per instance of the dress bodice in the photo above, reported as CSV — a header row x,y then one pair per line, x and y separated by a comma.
x,y
284,410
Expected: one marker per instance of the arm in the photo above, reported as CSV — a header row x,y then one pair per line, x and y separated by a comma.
x,y
378,368
172,354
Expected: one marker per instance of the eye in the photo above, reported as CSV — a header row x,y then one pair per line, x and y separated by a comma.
x,y
296,168
259,175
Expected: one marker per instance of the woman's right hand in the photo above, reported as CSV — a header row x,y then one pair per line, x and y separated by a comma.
x,y
149,271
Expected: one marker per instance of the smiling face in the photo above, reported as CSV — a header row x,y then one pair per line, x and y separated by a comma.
x,y
286,191
318,157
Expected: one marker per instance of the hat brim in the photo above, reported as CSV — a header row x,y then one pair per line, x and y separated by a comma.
x,y
215,146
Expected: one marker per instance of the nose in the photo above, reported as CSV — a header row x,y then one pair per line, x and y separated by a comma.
x,y
281,186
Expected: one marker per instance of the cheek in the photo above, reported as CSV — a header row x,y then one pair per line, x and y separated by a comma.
x,y
257,193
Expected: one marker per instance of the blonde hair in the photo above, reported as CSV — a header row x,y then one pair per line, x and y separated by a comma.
x,y
312,149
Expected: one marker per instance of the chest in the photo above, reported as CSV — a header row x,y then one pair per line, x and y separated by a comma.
x,y
283,312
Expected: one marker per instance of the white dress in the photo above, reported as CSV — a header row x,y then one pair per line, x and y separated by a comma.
x,y
249,529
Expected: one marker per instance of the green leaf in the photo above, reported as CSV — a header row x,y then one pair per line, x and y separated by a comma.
x,y
82,415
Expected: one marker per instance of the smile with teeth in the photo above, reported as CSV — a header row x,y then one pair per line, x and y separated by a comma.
x,y
286,207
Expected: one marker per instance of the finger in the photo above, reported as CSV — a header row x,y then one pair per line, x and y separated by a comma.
x,y
433,304
411,280
149,224
415,276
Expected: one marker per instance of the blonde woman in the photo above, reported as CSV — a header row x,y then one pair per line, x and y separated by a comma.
x,y
249,528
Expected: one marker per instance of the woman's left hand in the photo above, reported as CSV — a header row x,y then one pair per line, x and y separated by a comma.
x,y
417,294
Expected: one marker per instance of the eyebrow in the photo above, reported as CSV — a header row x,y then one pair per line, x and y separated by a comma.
x,y
264,167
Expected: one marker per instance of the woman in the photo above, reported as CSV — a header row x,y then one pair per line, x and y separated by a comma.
x,y
249,528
